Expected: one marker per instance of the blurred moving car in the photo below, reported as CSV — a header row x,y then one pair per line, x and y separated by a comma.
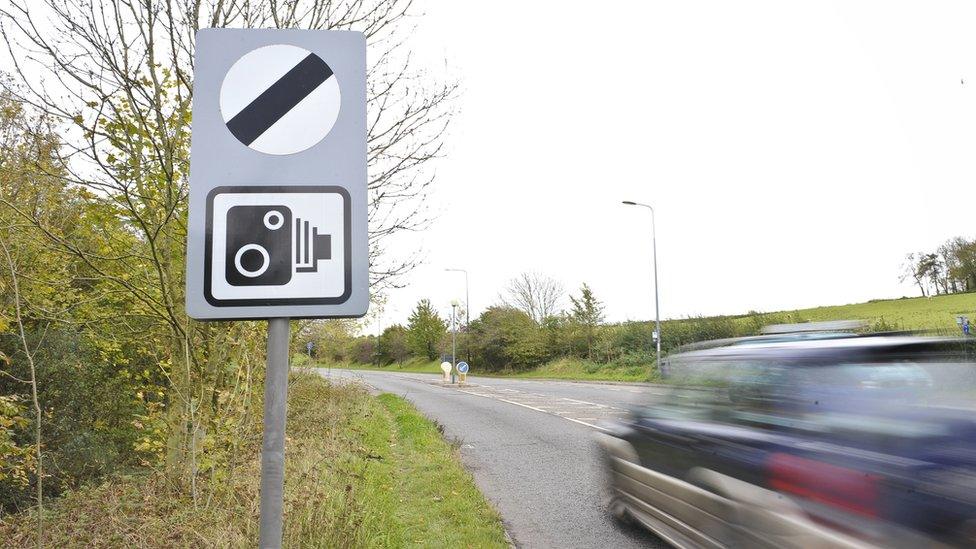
x,y
806,440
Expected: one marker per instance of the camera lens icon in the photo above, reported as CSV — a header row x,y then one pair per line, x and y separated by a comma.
x,y
274,220
264,261
260,244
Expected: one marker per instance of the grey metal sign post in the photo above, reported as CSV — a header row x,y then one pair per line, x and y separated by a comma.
x,y
277,223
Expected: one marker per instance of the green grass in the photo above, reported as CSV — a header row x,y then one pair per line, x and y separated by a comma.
x,y
437,502
361,471
410,366
576,369
919,313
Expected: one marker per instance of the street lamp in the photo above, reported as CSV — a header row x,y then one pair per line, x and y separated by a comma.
x,y
467,306
657,314
454,305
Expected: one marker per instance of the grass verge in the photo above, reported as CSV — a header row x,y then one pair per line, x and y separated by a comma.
x,y
360,472
583,370
413,366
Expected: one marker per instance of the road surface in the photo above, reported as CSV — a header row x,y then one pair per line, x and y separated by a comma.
x,y
530,446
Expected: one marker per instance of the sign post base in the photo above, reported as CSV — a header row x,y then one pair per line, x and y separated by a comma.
x,y
273,447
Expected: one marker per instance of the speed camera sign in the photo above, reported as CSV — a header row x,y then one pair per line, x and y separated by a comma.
x,y
278,175
290,240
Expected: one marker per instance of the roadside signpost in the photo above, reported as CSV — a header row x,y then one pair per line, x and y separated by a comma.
x,y
278,203
462,368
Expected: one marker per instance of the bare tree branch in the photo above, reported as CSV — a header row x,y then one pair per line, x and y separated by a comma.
x,y
536,295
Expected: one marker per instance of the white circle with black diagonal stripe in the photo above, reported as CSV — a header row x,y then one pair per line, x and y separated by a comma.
x,y
280,99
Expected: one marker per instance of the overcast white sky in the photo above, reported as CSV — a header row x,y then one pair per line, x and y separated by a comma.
x,y
795,151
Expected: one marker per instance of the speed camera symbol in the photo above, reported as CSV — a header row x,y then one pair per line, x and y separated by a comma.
x,y
260,242
270,247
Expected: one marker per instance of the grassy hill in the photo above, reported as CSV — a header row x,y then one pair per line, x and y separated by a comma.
x,y
918,313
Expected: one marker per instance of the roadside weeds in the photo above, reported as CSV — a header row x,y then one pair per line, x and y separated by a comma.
x,y
361,471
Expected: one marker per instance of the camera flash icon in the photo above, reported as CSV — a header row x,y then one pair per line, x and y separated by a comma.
x,y
269,245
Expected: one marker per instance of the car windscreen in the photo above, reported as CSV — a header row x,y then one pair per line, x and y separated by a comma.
x,y
884,395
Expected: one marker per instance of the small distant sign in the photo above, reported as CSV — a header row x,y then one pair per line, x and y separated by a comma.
x,y
462,367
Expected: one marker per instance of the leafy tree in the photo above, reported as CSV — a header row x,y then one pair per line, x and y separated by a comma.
x,y
959,255
92,348
364,350
333,340
425,328
910,270
560,335
932,265
950,269
393,345
507,338
586,314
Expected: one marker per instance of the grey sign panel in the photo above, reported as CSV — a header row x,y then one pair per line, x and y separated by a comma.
x,y
278,205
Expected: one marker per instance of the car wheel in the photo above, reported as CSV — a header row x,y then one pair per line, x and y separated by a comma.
x,y
620,513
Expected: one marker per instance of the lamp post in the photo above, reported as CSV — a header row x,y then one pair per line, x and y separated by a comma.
x,y
379,336
657,314
454,304
467,306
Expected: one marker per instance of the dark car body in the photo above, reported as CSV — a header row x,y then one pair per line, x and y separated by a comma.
x,y
807,442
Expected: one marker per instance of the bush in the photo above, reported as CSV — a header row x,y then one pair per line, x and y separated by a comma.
x,y
364,350
638,359
507,338
691,330
91,402
394,345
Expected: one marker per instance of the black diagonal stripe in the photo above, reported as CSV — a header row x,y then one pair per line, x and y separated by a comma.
x,y
280,98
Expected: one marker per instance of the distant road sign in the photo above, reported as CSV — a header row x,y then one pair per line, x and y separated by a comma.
x,y
462,367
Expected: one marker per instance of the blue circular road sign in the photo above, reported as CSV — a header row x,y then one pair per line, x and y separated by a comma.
x,y
462,367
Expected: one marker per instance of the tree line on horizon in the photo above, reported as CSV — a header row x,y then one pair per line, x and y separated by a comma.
x,y
525,328
950,269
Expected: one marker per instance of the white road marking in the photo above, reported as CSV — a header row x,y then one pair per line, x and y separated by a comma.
x,y
570,409
547,409
593,404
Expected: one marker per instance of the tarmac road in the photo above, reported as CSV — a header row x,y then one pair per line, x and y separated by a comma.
x,y
530,446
